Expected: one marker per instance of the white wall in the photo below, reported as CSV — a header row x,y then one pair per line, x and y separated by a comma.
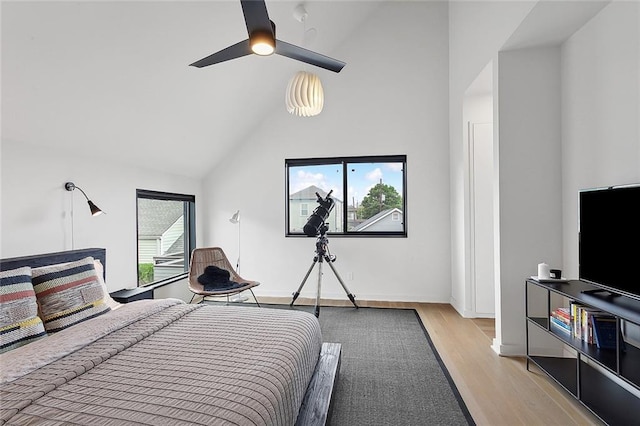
x,y
37,210
601,112
397,105
477,30
530,178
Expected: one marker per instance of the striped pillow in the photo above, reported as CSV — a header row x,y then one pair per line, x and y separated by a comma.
x,y
19,321
68,294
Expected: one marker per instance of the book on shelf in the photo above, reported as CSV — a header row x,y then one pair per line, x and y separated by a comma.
x,y
582,326
575,319
605,329
564,320
560,325
562,314
586,323
560,320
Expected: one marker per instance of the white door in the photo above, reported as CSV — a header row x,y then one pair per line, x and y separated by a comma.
x,y
482,176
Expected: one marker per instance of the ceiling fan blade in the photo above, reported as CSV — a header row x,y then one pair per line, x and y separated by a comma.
x,y
232,52
256,16
304,55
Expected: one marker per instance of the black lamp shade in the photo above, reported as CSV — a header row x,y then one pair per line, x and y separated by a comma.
x,y
95,210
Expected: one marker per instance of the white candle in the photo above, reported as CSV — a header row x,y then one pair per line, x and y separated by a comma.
x,y
543,271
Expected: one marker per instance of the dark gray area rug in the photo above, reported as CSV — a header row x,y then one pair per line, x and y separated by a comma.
x,y
391,373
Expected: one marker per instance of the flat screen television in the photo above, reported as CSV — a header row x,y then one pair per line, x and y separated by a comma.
x,y
609,239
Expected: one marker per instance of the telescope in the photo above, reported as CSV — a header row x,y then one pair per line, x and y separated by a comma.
x,y
316,224
317,227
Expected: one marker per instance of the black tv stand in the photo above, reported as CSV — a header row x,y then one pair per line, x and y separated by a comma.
x,y
606,381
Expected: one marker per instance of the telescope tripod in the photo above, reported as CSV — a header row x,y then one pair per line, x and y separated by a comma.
x,y
322,254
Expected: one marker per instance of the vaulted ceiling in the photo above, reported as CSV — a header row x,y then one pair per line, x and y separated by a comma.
x,y
111,79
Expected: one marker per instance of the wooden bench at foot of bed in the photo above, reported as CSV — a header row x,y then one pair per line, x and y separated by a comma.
x,y
316,405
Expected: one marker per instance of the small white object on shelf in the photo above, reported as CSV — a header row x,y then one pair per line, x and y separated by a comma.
x,y
549,280
544,271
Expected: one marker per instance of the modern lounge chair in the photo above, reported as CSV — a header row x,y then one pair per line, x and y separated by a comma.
x,y
214,256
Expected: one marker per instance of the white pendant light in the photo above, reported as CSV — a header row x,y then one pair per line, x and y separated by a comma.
x,y
304,96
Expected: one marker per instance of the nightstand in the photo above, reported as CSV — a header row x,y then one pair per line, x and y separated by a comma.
x,y
130,295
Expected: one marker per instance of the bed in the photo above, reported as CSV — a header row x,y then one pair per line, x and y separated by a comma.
x,y
155,362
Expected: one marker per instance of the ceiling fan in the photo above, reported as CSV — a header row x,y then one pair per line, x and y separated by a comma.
x,y
262,41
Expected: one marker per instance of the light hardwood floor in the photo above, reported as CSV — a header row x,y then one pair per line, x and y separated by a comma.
x,y
497,390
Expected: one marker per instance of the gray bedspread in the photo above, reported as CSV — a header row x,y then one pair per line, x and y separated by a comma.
x,y
165,363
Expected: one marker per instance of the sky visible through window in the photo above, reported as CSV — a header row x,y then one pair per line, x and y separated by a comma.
x,y
362,177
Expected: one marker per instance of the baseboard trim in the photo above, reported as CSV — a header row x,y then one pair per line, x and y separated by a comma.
x,y
508,350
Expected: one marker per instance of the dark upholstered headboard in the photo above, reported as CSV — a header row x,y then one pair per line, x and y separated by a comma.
x,y
45,259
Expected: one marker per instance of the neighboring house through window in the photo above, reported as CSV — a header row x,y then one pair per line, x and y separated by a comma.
x,y
369,194
165,234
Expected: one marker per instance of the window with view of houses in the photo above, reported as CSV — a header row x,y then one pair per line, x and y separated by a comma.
x,y
369,194
165,234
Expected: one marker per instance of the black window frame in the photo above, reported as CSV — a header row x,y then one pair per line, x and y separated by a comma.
x,y
344,161
189,235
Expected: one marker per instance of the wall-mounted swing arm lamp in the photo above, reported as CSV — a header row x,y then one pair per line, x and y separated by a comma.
x,y
95,210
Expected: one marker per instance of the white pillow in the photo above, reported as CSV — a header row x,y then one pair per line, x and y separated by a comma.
x,y
107,298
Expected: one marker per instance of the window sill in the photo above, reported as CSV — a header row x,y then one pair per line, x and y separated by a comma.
x,y
166,281
143,292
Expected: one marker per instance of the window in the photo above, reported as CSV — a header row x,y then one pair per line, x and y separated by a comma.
x,y
368,193
165,233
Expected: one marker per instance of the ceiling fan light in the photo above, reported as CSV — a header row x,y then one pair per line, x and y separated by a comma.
x,y
262,43
304,97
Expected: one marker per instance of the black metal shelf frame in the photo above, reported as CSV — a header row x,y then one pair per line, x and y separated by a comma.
x,y
593,376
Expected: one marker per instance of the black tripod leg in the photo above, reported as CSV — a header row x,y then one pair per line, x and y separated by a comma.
x,y
318,294
346,290
297,293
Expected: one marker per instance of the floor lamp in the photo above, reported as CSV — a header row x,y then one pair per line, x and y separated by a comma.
x,y
235,219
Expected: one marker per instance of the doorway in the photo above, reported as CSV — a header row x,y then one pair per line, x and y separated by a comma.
x,y
481,195
481,218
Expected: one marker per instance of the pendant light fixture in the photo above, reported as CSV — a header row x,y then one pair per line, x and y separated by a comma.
x,y
304,97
